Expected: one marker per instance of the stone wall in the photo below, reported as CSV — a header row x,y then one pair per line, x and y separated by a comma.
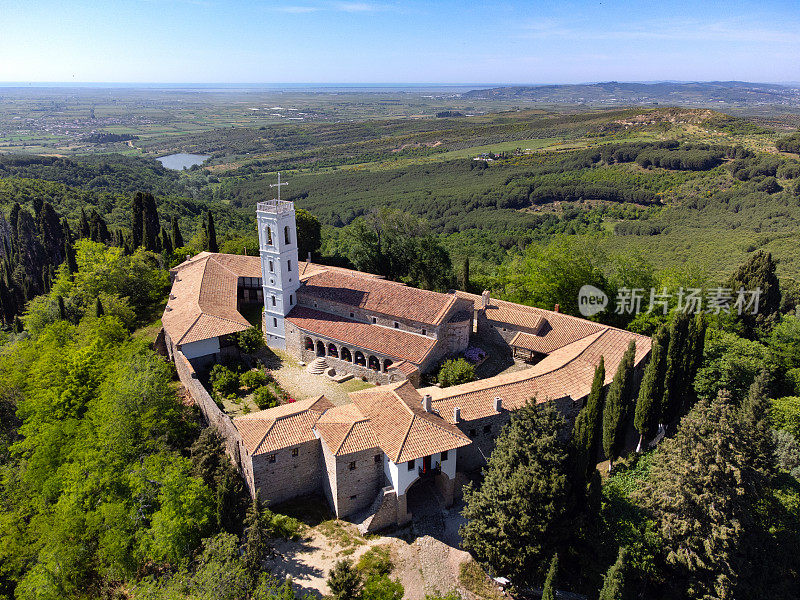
x,y
355,489
288,476
214,416
385,513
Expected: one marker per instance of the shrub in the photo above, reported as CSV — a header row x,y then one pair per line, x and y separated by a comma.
x,y
264,397
250,340
474,354
455,371
785,414
224,382
253,379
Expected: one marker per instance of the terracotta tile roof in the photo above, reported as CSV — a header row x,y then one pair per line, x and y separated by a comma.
x,y
382,340
203,301
281,427
379,296
403,429
565,373
405,367
308,269
344,430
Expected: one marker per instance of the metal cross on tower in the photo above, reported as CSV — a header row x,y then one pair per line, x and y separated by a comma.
x,y
278,185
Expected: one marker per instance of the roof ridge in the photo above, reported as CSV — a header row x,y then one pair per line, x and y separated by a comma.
x,y
405,437
344,438
264,437
188,329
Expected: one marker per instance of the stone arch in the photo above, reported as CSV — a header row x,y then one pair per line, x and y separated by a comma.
x,y
320,348
268,234
359,359
373,363
386,364
308,343
286,235
345,355
333,350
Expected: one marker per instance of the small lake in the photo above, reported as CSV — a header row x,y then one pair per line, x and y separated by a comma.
x,y
178,162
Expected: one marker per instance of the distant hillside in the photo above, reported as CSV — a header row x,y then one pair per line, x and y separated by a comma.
x,y
613,92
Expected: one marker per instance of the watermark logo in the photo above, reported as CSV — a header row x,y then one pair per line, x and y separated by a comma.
x,y
591,300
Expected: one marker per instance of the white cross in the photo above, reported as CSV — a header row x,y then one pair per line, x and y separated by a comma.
x,y
278,185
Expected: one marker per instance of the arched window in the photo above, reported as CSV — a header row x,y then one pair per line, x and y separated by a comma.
x,y
269,235
320,349
374,364
309,343
332,351
346,356
386,364
359,359
286,235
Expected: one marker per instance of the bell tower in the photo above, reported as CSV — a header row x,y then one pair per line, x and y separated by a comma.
x,y
277,236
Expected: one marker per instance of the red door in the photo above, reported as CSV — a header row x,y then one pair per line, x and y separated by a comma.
x,y
426,464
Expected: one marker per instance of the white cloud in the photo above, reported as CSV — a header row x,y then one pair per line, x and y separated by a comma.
x,y
297,10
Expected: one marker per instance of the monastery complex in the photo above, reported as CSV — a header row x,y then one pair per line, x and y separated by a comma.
x,y
368,455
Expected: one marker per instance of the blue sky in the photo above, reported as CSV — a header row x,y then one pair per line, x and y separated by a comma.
x,y
321,41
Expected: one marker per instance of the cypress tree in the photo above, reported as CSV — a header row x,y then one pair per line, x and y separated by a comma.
x,y
588,428
672,400
614,581
98,309
255,538
692,359
137,227
549,591
69,252
46,279
151,227
344,581
177,238
84,229
212,234
618,400
166,243
62,312
465,275
18,324
648,404
756,430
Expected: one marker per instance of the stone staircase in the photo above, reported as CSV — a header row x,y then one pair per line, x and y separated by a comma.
x,y
318,366
384,507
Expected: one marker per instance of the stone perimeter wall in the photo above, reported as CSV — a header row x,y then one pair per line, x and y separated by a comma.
x,y
234,444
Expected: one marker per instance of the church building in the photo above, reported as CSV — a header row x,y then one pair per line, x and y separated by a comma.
x,y
368,455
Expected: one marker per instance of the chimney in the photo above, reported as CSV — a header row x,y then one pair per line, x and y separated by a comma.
x,y
188,257
498,404
308,260
172,296
485,296
557,308
456,414
426,403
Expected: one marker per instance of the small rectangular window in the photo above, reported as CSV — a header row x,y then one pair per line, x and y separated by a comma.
x,y
354,496
444,455
271,267
472,433
396,325
271,458
374,320
275,322
291,300
487,429
352,315
377,458
273,301
411,465
424,332
295,451
353,466
289,266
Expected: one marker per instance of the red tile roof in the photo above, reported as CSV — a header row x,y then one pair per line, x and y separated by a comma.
x,y
281,427
345,429
378,296
403,429
396,343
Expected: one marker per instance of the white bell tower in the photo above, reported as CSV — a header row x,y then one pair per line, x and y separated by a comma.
x,y
277,236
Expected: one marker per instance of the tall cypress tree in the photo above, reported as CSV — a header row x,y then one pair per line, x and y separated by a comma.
x,y
648,405
99,311
465,275
549,590
672,400
212,234
62,311
756,430
614,583
177,238
620,396
137,224
69,252
758,272
151,227
255,538
166,243
84,229
588,429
